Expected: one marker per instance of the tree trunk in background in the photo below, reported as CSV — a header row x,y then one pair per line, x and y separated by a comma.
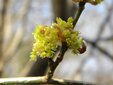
x,y
2,19
62,9
39,68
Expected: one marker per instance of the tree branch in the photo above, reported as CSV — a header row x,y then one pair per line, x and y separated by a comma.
x,y
94,44
39,80
79,12
53,64
64,47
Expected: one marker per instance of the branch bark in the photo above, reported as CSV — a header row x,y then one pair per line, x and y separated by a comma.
x,y
64,47
39,80
79,11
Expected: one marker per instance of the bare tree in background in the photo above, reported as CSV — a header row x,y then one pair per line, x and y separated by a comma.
x,y
13,42
2,23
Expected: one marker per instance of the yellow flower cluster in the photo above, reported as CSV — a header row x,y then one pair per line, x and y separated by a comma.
x,y
48,38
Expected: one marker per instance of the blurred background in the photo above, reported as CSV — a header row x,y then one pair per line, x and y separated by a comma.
x,y
18,19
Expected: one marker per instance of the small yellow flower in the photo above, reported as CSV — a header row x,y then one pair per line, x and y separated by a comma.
x,y
48,38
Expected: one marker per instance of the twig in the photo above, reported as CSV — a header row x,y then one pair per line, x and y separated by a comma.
x,y
104,23
79,11
39,80
53,64
64,47
94,44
